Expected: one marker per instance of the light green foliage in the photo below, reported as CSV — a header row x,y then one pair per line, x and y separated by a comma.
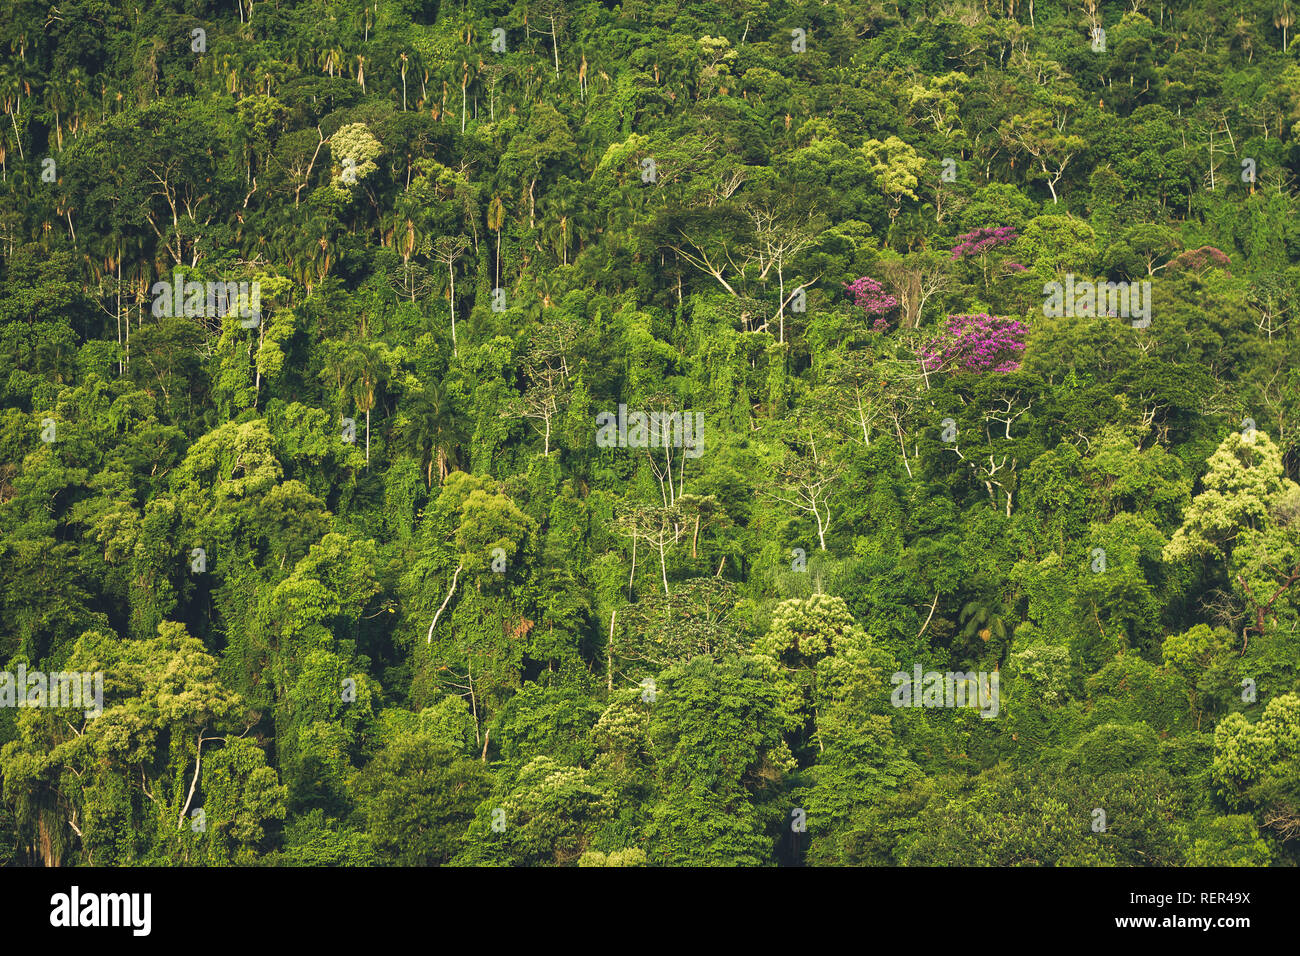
x,y
895,166
1246,494
546,818
126,773
820,659
354,147
629,857
1229,841
1257,765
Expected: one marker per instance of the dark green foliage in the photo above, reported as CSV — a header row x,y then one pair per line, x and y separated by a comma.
x,y
371,582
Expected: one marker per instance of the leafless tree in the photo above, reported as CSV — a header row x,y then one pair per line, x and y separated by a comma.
x,y
807,482
447,250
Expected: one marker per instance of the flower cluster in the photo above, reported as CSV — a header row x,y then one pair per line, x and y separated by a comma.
x,y
870,296
1198,260
983,239
977,343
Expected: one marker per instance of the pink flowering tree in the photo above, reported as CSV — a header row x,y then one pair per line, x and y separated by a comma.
x,y
981,242
1200,260
870,296
976,343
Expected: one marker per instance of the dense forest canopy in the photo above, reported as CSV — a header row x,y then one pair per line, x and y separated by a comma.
x,y
616,434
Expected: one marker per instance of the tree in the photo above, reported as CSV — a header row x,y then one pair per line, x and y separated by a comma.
x,y
433,430
546,371
1258,765
362,368
718,778
896,168
355,149
1283,19
496,218
544,143
659,631
779,236
1246,517
1040,136
807,481
554,14
548,817
119,788
417,797
914,279
447,250
1192,655
822,660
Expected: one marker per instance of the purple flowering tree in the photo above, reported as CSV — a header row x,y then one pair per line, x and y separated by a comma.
x,y
976,343
870,296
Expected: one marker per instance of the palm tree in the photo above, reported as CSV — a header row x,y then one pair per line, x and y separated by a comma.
x,y
464,83
11,93
983,619
316,252
495,220
331,60
360,370
78,85
432,431
560,212
548,290
64,207
1283,19
57,96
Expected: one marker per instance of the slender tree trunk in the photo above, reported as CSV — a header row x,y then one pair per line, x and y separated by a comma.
x,y
118,309
609,653
429,639
631,578
781,308
198,764
473,702
257,371
663,567
451,272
